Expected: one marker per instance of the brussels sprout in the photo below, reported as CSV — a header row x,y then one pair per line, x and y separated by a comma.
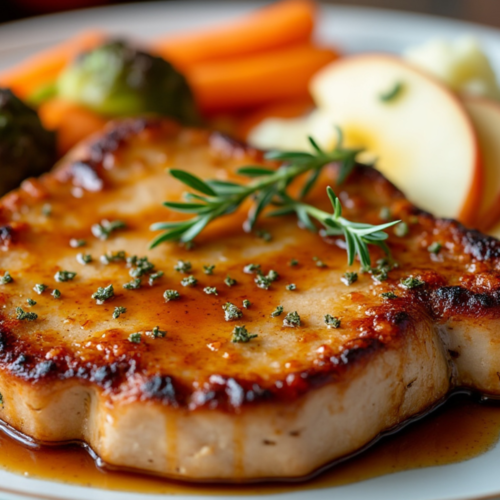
x,y
116,79
26,148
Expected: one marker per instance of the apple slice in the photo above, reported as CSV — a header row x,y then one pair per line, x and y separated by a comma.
x,y
420,132
485,115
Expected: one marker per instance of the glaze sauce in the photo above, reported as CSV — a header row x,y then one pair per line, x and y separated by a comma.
x,y
459,430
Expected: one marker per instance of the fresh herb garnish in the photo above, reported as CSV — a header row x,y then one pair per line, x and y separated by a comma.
x,y
434,247
210,290
401,230
264,235
135,338
381,271
105,228
31,302
349,278
291,287
231,312
156,333
153,277
209,269
391,94
272,275
171,295
292,319
6,278
319,262
76,243
293,263
412,282
183,266
140,266
220,198
189,281
56,293
385,213
246,303
110,257
62,276
332,321
103,294
263,282
241,335
84,258
40,288
389,295
230,281
252,269
277,312
119,311
135,284
25,316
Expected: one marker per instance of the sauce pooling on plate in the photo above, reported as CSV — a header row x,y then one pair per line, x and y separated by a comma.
x,y
459,430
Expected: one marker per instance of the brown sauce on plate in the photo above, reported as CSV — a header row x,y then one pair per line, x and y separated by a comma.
x,y
459,430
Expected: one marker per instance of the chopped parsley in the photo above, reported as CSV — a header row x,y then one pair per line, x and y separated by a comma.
x,y
110,257
252,269
1,399
31,302
230,281
189,281
381,271
412,282
332,321
155,276
272,275
62,276
293,263
264,235
105,228
277,312
263,282
156,333
25,316
292,319
135,284
140,266
171,295
209,269
75,243
401,230
103,294
246,303
6,278
291,287
434,248
349,278
183,266
241,335
135,338
84,258
210,290
389,295
56,293
319,262
119,311
40,288
231,312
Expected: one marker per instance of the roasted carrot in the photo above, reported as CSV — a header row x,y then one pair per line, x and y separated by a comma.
x,y
43,68
282,109
278,25
257,79
71,121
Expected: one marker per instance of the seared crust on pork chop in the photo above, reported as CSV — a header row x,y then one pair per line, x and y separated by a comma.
x,y
190,403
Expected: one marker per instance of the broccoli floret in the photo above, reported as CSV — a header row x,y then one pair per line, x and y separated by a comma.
x,y
26,148
117,79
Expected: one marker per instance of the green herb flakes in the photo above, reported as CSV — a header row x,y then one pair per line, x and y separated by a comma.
x,y
293,263
209,269
154,277
349,278
47,210
392,93
140,267
119,311
385,213
412,282
401,230
292,319
332,321
252,269
62,276
434,247
241,335
264,235
156,333
291,287
389,295
76,243
31,302
135,284
210,290
231,312
135,338
40,288
183,267
169,295
6,278
25,316
230,281
277,312
103,294
84,258
319,262
105,228
189,281
246,303
56,293
111,257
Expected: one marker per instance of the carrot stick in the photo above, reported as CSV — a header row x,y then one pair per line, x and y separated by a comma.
x,y
283,23
283,109
72,122
257,79
44,67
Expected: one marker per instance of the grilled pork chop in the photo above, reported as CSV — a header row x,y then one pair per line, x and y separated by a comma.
x,y
182,399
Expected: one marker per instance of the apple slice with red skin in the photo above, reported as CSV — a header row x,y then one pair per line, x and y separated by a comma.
x,y
485,115
418,129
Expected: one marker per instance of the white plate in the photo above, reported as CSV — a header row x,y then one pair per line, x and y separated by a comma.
x,y
354,30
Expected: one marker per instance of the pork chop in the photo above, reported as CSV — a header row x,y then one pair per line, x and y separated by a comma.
x,y
152,380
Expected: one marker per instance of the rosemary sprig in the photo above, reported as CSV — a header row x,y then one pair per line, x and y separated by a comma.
x,y
269,187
